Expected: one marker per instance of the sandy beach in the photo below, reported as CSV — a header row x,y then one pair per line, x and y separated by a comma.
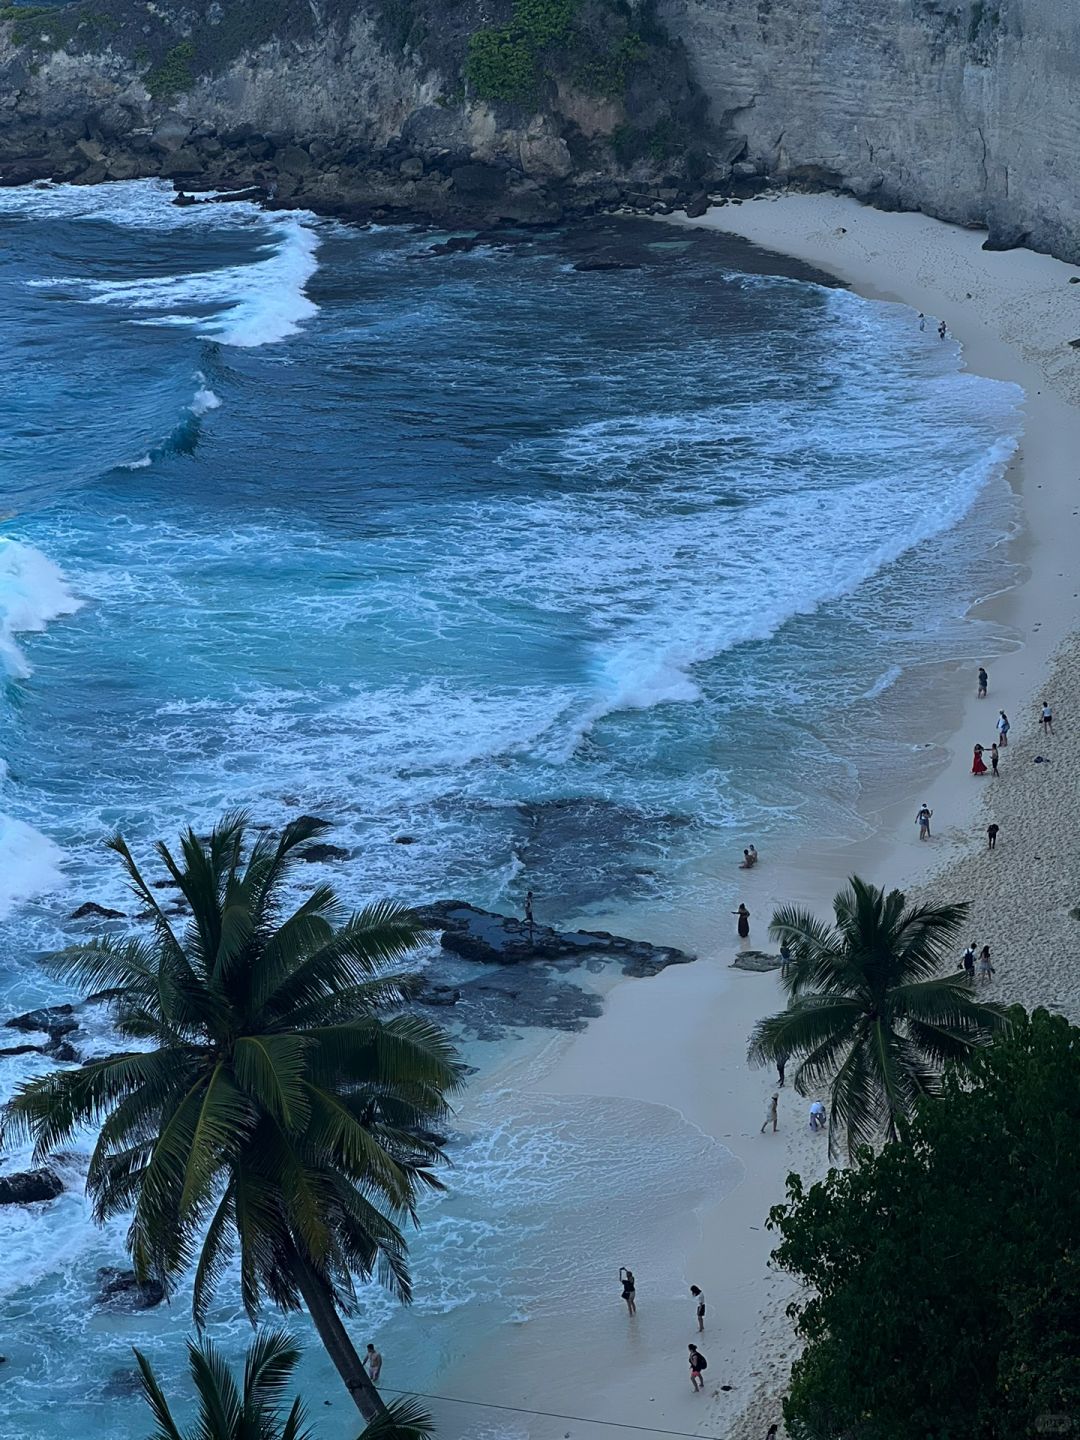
x,y
679,1039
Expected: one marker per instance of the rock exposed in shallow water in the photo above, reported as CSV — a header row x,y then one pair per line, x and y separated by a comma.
x,y
316,853
25,1187
91,908
494,939
55,1020
121,1291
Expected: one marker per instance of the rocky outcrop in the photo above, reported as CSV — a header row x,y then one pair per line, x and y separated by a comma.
x,y
965,109
119,1290
505,940
27,1187
359,105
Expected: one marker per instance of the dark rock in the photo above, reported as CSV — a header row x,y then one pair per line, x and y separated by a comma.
x,y
313,820
585,265
697,206
121,1291
26,1187
57,1020
438,995
504,940
477,182
1006,238
315,853
64,1052
92,908
121,1384
404,839
23,1050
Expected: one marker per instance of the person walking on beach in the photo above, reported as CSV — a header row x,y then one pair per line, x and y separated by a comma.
x,y
743,926
984,680
699,1307
770,1115
991,835
629,1289
698,1364
986,970
995,756
781,1066
785,960
373,1364
1046,720
923,817
978,764
968,962
1003,727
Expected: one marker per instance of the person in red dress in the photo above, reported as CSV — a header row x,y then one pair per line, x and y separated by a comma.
x,y
978,764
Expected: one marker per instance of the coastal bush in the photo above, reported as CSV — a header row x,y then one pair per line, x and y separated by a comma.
x,y
503,62
943,1275
870,1012
174,75
276,1103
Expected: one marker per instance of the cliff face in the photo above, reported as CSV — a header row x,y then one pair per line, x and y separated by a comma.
x,y
966,109
482,109
524,109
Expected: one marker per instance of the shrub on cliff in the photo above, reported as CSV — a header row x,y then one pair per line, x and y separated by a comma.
x,y
944,1274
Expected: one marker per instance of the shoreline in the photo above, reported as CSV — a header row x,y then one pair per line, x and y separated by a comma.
x,y
679,1040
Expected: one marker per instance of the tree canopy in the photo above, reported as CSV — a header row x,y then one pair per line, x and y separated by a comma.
x,y
943,1275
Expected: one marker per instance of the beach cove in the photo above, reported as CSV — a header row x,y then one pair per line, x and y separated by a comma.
x,y
661,1073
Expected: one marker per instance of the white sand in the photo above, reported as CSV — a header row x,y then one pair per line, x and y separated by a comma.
x,y
679,1039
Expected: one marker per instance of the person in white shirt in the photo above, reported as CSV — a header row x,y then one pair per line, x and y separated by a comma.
x,y
699,1301
817,1115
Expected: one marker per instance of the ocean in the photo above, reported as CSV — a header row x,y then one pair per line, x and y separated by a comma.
x,y
522,575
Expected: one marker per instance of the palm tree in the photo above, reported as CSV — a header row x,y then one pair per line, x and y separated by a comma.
x,y
869,1011
227,1411
279,1105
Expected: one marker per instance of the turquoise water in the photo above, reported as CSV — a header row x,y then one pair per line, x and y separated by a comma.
x,y
568,577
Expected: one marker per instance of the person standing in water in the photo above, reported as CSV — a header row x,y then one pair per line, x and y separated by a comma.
x,y
743,926
629,1289
1003,727
373,1364
923,817
984,680
942,330
699,1306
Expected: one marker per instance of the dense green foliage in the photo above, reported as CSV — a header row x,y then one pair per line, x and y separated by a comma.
x,y
869,1012
227,1411
503,62
279,1104
174,75
943,1275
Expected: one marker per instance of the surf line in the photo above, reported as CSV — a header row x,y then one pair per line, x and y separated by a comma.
x,y
553,1414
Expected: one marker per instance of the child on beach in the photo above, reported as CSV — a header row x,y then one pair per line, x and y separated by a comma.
x,y
923,817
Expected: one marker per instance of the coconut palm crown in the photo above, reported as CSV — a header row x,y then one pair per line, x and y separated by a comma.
x,y
277,1104
870,1013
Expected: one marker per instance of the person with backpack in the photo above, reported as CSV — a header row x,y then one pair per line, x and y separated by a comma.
x,y
698,1365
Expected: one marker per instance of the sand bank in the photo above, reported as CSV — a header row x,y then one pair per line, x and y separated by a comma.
x,y
679,1039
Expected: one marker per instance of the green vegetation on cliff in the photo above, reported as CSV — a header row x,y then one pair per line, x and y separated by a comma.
x,y
174,75
504,62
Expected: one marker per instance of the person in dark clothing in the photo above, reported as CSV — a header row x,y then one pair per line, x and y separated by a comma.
x,y
698,1364
991,836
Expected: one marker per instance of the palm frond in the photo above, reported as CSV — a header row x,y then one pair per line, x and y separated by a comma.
x,y
404,1419
167,1428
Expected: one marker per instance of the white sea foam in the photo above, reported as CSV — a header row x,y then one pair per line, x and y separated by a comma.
x,y
256,303
29,863
32,592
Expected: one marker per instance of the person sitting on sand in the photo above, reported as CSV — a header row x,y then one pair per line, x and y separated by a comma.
x,y
923,817
984,680
978,764
743,926
817,1115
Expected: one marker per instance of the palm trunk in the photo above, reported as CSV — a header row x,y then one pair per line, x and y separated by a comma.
x,y
336,1340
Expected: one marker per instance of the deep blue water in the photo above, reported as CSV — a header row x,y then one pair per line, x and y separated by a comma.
x,y
568,577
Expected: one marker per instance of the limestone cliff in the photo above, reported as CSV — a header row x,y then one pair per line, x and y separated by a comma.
x,y
966,109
